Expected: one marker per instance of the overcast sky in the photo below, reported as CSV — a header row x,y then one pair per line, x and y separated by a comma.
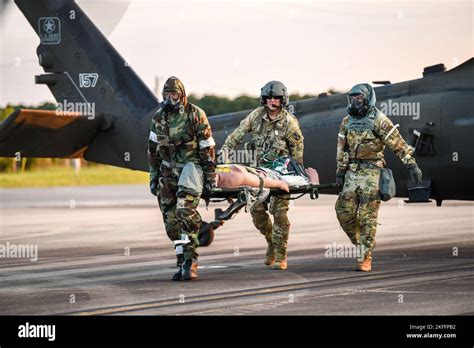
x,y
234,47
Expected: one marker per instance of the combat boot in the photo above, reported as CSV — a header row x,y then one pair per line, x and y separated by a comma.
x,y
280,264
280,231
179,263
366,265
189,269
270,255
280,259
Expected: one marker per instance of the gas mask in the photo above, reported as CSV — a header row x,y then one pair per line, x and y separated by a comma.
x,y
171,105
357,108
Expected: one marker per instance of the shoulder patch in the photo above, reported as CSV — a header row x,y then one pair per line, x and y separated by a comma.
x,y
296,136
383,121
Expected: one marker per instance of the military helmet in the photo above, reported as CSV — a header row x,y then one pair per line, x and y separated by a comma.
x,y
274,89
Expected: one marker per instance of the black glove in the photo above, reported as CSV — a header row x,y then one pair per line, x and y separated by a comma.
x,y
340,178
415,173
154,186
209,186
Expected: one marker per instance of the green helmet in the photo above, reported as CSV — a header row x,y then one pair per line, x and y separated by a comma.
x,y
275,89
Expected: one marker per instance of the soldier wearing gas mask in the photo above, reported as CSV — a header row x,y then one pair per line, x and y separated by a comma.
x,y
275,132
362,137
182,166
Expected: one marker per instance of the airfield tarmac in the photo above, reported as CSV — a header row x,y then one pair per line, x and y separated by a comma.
x,y
103,250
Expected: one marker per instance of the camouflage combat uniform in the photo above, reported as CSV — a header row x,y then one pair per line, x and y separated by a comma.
x,y
271,139
360,155
181,141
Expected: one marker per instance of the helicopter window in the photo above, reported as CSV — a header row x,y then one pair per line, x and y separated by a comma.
x,y
422,141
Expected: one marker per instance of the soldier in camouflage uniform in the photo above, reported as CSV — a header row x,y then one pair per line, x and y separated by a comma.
x,y
362,137
182,165
275,132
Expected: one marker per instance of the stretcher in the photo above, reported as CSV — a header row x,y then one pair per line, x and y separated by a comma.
x,y
237,199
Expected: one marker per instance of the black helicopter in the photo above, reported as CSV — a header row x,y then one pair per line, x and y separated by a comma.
x,y
435,113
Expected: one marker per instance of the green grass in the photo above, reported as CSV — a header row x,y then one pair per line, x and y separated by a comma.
x,y
63,176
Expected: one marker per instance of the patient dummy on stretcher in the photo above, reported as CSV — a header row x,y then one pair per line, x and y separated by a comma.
x,y
282,174
256,184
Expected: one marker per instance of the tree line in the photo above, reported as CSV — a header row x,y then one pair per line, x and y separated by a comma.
x,y
211,104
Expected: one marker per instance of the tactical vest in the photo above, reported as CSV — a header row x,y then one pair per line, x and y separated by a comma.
x,y
362,124
269,138
362,141
177,137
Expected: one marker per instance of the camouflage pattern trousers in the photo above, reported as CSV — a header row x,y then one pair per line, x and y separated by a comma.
x,y
181,219
277,233
358,205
